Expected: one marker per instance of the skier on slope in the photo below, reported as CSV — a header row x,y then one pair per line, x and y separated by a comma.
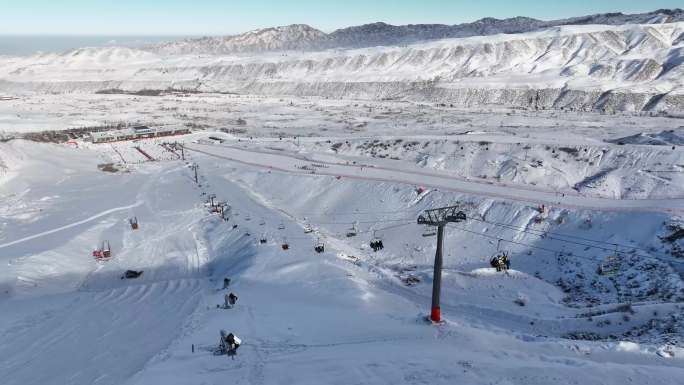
x,y
226,283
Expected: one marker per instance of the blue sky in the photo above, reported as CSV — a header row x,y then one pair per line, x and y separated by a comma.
x,y
215,17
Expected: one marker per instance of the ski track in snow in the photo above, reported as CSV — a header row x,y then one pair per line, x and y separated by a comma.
x,y
92,218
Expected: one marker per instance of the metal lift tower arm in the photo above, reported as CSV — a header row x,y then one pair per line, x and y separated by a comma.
x,y
442,216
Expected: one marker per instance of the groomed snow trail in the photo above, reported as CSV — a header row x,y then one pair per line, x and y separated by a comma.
x,y
310,318
91,337
290,164
304,317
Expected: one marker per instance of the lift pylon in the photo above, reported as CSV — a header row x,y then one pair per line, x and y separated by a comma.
x,y
439,217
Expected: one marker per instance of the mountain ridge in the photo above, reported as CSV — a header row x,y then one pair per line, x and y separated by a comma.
x,y
302,37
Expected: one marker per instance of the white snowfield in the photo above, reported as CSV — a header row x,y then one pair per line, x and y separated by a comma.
x,y
346,315
292,164
595,67
336,150
626,156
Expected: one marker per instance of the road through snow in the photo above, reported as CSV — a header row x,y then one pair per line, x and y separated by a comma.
x,y
291,164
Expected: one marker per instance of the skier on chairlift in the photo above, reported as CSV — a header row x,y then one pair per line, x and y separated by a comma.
x,y
376,244
501,262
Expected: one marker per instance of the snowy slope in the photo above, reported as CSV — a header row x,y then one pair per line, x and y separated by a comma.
x,y
588,204
344,315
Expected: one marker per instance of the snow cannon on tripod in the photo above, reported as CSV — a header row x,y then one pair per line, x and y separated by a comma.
x,y
229,344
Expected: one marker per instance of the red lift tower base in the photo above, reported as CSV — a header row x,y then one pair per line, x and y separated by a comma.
x,y
436,315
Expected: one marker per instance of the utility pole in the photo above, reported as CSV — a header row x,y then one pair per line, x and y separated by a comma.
x,y
225,208
182,151
439,217
194,167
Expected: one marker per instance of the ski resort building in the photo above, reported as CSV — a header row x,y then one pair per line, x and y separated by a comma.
x,y
137,132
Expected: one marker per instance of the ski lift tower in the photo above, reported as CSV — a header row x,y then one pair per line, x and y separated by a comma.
x,y
439,217
194,168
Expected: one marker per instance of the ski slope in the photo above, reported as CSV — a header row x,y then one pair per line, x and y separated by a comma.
x,y
92,218
371,172
562,146
343,316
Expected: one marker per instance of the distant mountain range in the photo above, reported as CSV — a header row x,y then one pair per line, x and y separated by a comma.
x,y
301,37
638,66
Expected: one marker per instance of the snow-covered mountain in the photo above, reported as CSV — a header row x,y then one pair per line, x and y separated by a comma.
x,y
386,34
630,67
291,37
304,37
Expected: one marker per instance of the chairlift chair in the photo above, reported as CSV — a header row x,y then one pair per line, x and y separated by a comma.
x,y
281,226
609,265
459,216
353,231
430,231
106,249
103,253
501,260
210,199
285,245
262,222
376,242
319,247
308,229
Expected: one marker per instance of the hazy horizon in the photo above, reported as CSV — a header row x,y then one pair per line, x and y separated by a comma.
x,y
209,18
22,45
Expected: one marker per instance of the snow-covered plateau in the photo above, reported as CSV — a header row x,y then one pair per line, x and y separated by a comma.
x,y
562,147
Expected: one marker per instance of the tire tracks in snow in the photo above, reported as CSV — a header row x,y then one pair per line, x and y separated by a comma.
x,y
256,371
